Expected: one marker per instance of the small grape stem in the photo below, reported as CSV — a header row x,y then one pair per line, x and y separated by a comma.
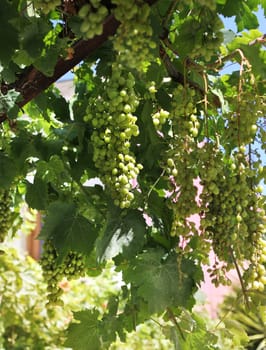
x,y
221,60
155,183
239,93
239,277
249,155
157,322
206,103
173,319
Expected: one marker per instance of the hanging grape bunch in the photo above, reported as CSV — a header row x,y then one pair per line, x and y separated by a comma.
x,y
71,267
244,119
6,213
233,216
133,39
255,274
180,160
111,115
92,16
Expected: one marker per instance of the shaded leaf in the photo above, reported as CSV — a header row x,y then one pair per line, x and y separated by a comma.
x,y
68,229
124,236
160,281
37,194
8,171
85,334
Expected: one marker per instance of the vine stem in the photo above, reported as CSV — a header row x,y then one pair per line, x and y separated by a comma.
x,y
173,319
206,103
239,93
155,183
240,277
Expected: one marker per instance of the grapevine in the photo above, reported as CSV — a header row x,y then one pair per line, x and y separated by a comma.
x,y
156,160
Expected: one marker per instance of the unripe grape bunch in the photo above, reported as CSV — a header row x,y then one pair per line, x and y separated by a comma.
x,y
233,218
72,266
114,124
244,119
133,40
6,213
255,275
180,159
92,15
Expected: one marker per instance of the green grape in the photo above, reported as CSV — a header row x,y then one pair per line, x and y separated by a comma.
x,y
132,41
51,271
255,274
114,123
6,213
232,207
244,117
179,160
46,6
159,118
92,16
72,266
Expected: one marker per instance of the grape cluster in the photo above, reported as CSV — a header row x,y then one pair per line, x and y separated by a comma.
x,y
46,5
72,266
183,192
243,119
92,16
180,160
133,39
159,118
255,275
6,213
232,216
111,116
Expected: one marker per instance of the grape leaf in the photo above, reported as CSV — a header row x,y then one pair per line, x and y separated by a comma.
x,y
245,19
8,171
256,57
85,334
37,194
32,35
68,229
160,281
122,235
8,32
8,101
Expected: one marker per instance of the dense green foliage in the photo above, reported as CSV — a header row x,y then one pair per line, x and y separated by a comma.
x,y
169,134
